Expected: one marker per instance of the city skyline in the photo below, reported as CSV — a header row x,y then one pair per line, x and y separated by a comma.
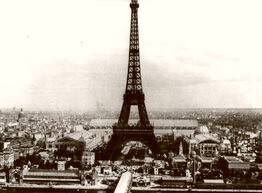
x,y
68,55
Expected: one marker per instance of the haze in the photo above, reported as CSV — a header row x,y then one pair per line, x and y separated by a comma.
x,y
72,55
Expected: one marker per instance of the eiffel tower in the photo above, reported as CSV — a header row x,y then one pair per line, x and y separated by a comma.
x,y
143,131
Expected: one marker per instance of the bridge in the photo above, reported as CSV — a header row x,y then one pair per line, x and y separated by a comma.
x,y
125,186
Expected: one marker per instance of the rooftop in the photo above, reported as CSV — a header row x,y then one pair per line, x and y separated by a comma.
x,y
47,172
184,132
154,122
233,159
203,129
206,137
82,135
206,159
179,159
244,165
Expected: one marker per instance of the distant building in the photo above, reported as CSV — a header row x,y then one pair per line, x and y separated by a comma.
x,y
70,145
2,178
203,142
23,151
88,158
185,127
179,161
38,135
61,165
162,126
46,176
18,142
6,155
225,146
259,147
50,144
165,130
233,167
21,118
105,168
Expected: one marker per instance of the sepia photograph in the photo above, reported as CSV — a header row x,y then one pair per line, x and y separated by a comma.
x,y
130,96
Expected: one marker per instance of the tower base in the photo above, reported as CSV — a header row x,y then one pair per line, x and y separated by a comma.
x,y
122,135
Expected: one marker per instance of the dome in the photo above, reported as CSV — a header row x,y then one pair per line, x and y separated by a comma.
x,y
193,154
222,146
226,142
21,114
202,130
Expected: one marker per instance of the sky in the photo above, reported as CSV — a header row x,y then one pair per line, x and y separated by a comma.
x,y
73,55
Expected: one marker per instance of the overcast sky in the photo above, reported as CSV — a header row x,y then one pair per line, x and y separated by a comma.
x,y
72,55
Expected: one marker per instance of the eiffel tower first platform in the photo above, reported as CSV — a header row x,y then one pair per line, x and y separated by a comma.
x,y
143,131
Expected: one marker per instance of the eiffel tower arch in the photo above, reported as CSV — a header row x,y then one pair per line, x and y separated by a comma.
x,y
143,131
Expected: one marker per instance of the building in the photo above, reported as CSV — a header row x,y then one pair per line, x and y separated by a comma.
x,y
61,165
179,162
2,178
88,158
38,135
70,144
225,146
203,142
45,176
184,127
166,130
20,147
233,168
68,147
162,126
50,144
6,155
105,168
81,139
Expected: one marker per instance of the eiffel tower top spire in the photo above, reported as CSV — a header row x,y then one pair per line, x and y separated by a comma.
x,y
134,83
134,4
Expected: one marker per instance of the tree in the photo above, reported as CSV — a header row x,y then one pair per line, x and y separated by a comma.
x,y
7,173
222,165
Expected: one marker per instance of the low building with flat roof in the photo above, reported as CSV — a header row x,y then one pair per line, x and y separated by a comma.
x,y
179,124
164,129
234,168
234,163
46,176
